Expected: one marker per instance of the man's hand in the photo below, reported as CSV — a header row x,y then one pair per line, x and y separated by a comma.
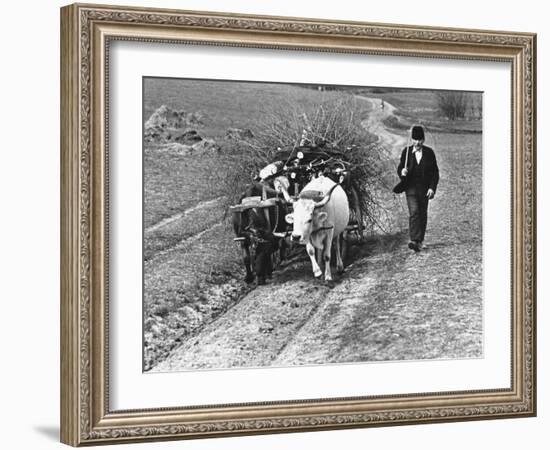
x,y
404,172
430,194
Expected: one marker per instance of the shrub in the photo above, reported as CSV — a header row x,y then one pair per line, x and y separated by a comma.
x,y
452,104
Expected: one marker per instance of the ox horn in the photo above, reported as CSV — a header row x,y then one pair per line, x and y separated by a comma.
x,y
326,198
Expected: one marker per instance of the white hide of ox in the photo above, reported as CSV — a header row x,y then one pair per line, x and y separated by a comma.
x,y
321,214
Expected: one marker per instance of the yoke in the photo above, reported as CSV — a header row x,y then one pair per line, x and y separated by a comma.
x,y
254,202
248,203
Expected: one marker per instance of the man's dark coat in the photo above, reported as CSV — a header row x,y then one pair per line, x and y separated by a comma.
x,y
422,176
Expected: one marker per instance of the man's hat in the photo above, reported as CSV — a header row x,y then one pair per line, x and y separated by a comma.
x,y
417,133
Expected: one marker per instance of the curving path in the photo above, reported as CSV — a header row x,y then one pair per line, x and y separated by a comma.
x,y
374,124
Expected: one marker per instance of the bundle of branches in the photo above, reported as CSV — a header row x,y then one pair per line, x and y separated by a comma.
x,y
330,121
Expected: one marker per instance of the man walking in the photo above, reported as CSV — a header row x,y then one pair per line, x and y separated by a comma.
x,y
419,172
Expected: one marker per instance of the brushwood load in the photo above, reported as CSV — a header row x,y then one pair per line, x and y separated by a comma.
x,y
292,169
260,218
291,146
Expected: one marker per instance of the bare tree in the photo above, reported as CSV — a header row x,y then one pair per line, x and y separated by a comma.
x,y
452,104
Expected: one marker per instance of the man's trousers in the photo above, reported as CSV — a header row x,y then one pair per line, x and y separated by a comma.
x,y
418,214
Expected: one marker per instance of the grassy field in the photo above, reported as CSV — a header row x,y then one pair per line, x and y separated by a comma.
x,y
174,182
224,104
192,267
420,106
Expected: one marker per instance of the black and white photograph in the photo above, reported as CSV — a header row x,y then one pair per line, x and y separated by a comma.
x,y
303,224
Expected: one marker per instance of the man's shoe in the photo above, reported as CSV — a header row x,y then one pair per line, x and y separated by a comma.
x,y
414,246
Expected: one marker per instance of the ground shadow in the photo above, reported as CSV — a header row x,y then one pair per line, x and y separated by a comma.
x,y
436,245
298,266
375,245
49,431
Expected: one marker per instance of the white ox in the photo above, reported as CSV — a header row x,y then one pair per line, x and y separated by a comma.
x,y
320,216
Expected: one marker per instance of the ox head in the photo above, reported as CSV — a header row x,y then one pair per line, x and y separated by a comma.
x,y
307,216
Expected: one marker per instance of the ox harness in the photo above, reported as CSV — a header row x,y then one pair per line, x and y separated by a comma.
x,y
262,203
317,196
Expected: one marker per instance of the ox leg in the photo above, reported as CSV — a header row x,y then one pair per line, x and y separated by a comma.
x,y
311,252
269,252
339,261
283,247
319,256
326,255
245,247
261,261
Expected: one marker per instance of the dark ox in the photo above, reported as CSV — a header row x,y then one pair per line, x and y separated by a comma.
x,y
256,227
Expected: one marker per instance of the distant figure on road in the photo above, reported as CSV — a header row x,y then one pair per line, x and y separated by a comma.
x,y
419,172
382,104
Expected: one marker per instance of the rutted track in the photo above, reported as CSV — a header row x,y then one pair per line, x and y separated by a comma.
x,y
279,324
375,124
171,233
215,202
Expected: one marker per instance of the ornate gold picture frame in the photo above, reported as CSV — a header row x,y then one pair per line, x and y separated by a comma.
x,y
87,31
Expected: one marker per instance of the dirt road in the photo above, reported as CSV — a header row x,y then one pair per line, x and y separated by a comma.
x,y
390,304
375,125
